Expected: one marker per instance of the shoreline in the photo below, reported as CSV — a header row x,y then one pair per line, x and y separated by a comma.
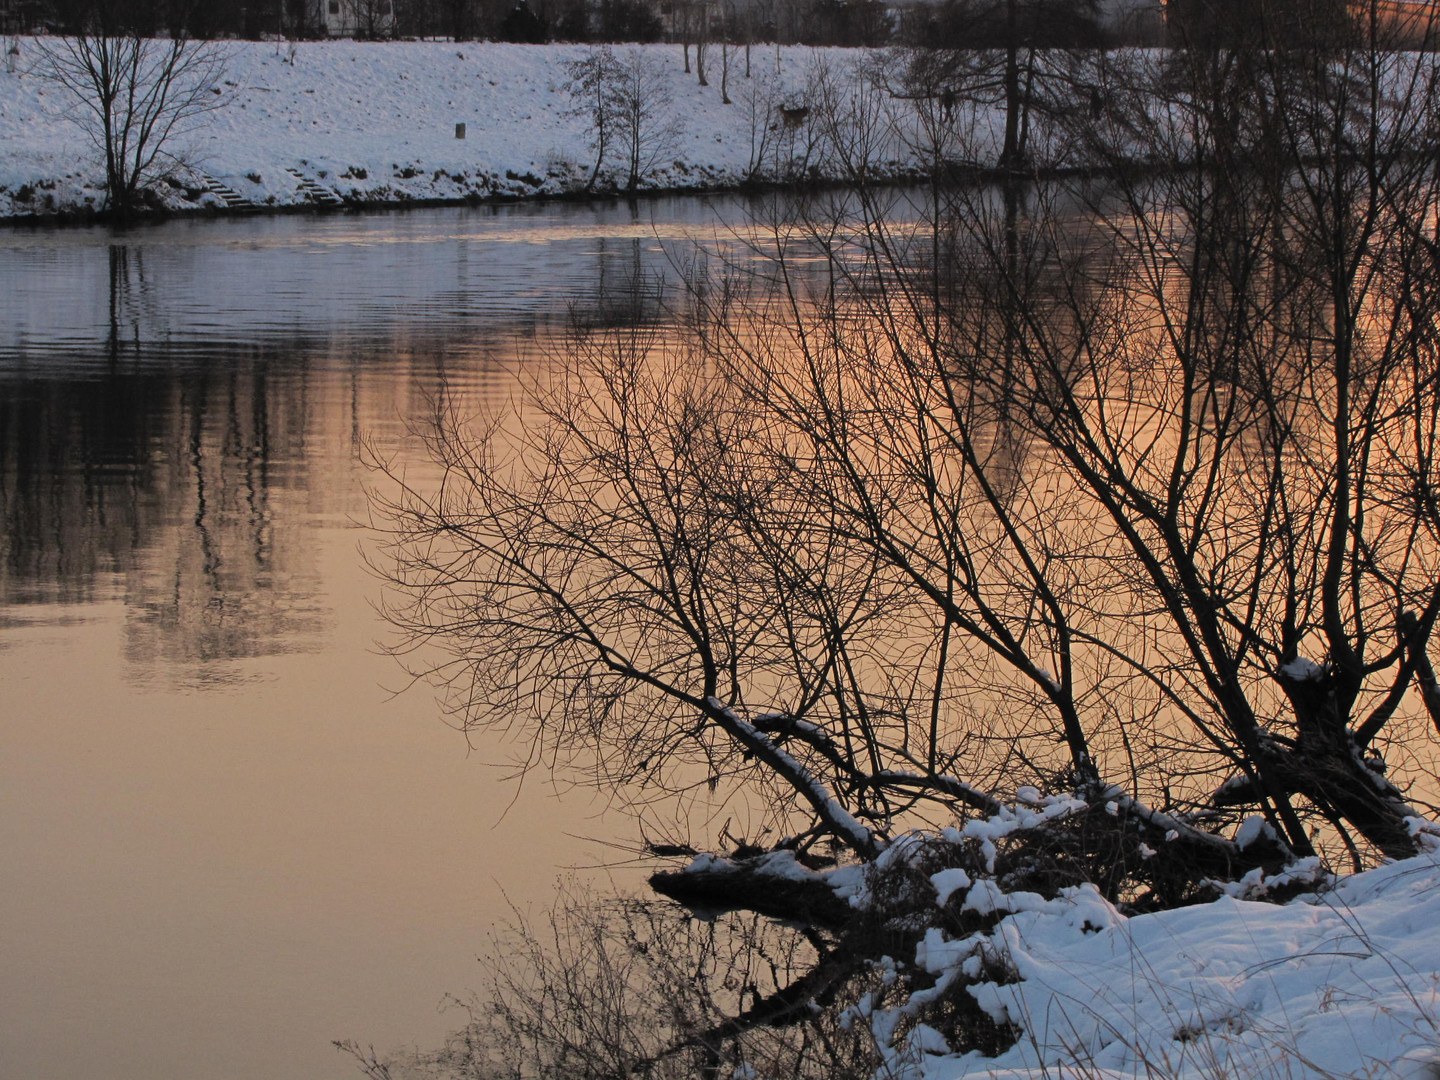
x,y
967,174
82,217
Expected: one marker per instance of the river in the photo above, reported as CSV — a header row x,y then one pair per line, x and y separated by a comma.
x,y
227,838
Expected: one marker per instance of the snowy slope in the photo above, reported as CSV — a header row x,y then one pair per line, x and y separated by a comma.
x,y
376,122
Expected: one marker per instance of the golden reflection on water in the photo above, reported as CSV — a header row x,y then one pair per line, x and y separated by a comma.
x,y
227,840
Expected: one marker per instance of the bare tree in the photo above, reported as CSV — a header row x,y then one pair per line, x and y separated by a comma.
x,y
622,99
1104,514
594,88
648,132
1008,54
134,97
760,99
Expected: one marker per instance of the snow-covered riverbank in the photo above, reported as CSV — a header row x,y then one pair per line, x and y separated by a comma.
x,y
1342,984
344,122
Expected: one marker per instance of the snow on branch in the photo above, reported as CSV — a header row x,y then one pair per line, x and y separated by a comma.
x,y
841,823
773,884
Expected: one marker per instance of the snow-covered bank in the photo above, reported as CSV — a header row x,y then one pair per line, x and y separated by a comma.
x,y
1345,983
371,123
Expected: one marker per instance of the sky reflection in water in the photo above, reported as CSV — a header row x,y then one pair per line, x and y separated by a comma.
x,y
226,842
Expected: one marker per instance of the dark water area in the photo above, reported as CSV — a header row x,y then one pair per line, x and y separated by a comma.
x,y
227,840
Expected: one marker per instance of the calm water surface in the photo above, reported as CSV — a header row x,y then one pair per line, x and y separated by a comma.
x,y
225,840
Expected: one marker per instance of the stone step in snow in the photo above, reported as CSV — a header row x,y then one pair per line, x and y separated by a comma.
x,y
317,192
232,199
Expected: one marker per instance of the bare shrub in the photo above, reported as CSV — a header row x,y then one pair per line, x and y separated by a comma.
x,y
623,100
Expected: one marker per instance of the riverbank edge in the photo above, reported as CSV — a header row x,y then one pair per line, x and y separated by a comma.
x,y
968,174
87,215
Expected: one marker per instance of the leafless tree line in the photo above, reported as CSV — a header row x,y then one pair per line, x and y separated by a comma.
x,y
740,23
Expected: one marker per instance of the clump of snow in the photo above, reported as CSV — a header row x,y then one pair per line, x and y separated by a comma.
x,y
847,881
1253,828
947,882
1422,1063
1027,813
706,863
1308,873
925,1039
1426,833
938,954
986,898
1302,670
782,865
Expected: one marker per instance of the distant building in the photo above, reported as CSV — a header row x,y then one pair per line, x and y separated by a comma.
x,y
355,18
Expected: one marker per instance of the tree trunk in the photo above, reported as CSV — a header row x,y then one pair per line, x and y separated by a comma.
x,y
1010,151
1327,767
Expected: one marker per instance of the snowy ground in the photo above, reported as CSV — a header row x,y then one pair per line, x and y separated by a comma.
x,y
376,122
1341,984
